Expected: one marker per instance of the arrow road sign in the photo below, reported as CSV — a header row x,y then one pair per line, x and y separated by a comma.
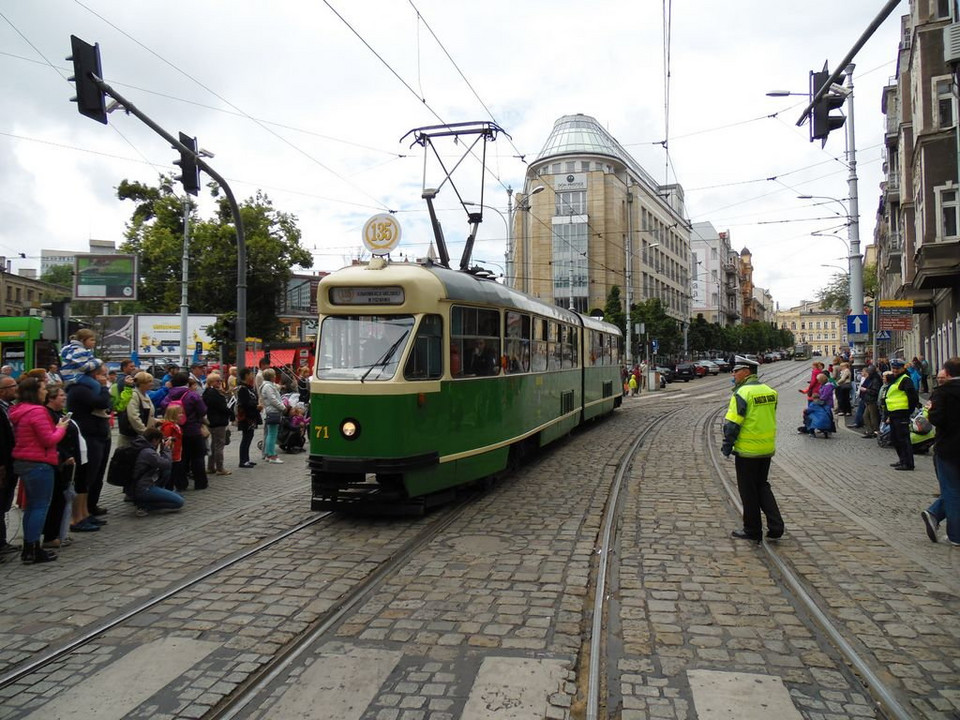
x,y
883,335
857,324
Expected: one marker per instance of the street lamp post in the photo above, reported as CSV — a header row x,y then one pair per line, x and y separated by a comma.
x,y
506,225
522,205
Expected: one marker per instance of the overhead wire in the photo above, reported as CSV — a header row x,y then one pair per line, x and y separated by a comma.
x,y
245,114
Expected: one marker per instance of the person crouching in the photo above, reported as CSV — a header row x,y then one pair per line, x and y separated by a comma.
x,y
151,472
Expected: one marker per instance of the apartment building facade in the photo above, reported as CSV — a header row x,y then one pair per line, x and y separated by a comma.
x,y
917,230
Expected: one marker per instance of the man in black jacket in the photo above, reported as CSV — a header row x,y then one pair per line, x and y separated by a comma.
x,y
944,414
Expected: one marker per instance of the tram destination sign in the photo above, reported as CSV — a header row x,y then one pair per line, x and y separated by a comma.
x,y
895,315
366,296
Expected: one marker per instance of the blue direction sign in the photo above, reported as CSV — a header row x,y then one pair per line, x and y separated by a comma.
x,y
857,324
883,335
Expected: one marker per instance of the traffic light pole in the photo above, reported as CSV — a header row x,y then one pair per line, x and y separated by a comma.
x,y
131,109
855,263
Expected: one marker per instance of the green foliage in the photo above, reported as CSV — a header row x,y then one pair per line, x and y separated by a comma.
x,y
155,233
751,338
659,326
613,310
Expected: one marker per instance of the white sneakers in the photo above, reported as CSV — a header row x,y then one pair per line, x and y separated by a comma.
x,y
275,460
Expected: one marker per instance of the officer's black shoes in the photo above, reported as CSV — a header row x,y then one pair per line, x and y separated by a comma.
x,y
741,535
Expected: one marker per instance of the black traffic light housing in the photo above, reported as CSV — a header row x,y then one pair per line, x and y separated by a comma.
x,y
86,63
821,121
190,171
230,329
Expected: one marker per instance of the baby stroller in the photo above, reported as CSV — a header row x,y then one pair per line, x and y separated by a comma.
x,y
921,441
292,436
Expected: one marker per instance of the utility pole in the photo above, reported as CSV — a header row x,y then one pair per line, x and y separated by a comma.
x,y
628,276
855,262
185,271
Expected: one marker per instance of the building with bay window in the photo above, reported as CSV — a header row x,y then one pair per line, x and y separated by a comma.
x,y
591,218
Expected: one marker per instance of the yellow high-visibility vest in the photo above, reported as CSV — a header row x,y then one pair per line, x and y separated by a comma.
x,y
758,425
896,398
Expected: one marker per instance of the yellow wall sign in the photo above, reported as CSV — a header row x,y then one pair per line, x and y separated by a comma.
x,y
381,234
896,303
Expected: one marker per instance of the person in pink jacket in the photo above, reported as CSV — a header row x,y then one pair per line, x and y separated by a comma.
x,y
34,460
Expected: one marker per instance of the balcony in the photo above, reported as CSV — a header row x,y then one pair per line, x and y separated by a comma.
x,y
938,265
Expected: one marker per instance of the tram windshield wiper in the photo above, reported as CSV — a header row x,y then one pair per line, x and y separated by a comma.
x,y
385,358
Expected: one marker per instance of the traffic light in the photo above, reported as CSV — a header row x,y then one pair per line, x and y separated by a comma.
x,y
86,63
190,171
821,121
230,329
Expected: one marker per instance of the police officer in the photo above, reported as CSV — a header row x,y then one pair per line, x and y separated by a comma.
x,y
750,432
900,400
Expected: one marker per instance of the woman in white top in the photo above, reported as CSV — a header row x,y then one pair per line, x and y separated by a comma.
x,y
273,411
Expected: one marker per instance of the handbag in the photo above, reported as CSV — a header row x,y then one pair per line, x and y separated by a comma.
x,y
272,417
920,424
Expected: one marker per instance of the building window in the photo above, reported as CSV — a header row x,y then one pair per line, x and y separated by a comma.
x,y
573,202
947,212
945,102
944,9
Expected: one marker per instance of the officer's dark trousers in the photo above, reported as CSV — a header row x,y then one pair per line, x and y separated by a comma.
x,y
756,495
900,436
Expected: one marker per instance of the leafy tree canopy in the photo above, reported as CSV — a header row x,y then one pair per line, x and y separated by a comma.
x,y
835,295
155,234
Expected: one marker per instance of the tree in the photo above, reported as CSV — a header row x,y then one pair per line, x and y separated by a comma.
x,y
155,233
613,310
659,326
835,295
62,275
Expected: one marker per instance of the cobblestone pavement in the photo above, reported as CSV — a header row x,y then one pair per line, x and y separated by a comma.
x,y
489,620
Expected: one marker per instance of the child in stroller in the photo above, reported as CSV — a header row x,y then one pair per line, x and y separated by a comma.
x,y
292,435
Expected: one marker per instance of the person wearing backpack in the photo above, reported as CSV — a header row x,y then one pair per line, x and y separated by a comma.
x,y
150,470
194,444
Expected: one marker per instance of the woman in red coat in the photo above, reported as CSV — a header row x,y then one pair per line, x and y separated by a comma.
x,y
34,460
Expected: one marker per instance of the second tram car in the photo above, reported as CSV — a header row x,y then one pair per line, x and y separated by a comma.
x,y
427,379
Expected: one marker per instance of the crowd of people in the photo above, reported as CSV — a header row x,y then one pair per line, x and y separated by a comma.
x,y
56,432
886,404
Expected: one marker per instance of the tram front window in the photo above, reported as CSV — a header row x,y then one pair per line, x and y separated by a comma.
x,y
362,347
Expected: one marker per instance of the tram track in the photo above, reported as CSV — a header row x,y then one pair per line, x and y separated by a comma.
x,y
99,629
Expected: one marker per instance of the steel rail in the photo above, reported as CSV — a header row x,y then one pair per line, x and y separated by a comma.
x,y
260,679
49,656
599,596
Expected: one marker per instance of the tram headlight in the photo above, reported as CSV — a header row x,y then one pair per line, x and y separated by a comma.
x,y
350,429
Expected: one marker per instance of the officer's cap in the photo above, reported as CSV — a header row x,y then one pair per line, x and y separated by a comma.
x,y
897,362
742,363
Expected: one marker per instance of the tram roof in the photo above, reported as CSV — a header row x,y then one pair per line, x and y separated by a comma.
x,y
459,286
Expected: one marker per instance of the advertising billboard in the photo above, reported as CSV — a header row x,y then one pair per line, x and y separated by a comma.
x,y
116,336
104,277
158,336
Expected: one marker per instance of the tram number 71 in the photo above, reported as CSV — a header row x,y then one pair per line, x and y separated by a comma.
x,y
323,432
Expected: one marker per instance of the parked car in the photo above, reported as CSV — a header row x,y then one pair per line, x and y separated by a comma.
x,y
721,364
665,373
709,367
685,372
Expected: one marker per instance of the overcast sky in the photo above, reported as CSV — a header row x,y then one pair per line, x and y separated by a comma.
x,y
310,106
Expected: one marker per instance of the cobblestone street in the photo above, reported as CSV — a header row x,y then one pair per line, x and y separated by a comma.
x,y
491,618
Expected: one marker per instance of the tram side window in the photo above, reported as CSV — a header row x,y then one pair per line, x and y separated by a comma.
x,y
517,334
426,356
538,363
474,342
568,346
596,348
553,346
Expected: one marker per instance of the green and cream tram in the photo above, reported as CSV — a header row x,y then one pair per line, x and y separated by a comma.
x,y
428,378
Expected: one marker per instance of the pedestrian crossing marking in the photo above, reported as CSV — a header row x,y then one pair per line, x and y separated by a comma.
x,y
337,685
119,688
721,695
515,688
